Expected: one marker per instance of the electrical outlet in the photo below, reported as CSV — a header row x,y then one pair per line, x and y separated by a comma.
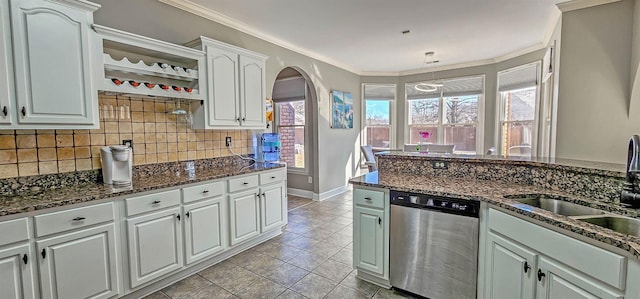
x,y
440,164
310,180
127,142
227,141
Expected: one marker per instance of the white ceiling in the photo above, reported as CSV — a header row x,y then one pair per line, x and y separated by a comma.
x,y
364,36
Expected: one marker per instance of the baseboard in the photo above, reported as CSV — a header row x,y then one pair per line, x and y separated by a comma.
x,y
333,192
300,192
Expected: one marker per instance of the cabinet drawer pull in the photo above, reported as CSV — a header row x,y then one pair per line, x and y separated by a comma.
x,y
205,191
24,111
526,267
245,183
273,177
43,253
79,218
5,111
155,202
25,259
540,275
367,198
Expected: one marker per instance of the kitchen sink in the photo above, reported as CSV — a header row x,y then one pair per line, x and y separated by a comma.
x,y
626,226
556,206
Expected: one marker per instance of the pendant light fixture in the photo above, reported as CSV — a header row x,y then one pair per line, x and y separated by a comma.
x,y
433,85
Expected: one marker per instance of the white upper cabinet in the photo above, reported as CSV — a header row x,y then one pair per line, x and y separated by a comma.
x,y
7,95
53,50
236,88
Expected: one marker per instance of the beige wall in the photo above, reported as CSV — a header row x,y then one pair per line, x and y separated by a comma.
x,y
335,148
594,121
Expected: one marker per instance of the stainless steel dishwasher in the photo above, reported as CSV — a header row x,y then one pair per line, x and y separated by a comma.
x,y
433,245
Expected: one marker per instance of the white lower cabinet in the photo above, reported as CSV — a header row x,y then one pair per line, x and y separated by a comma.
x,y
527,261
204,227
273,206
16,272
244,215
155,245
80,264
368,244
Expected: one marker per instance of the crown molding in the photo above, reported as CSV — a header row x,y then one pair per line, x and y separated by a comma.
x,y
202,11
209,14
580,4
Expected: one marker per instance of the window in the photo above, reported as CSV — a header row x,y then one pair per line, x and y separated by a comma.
x,y
378,127
289,98
451,114
518,93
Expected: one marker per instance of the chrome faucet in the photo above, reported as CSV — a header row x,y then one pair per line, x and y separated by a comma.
x,y
630,194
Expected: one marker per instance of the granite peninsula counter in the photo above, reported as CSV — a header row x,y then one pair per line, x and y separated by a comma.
x,y
490,179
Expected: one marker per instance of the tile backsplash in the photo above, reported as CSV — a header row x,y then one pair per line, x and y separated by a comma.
x,y
157,137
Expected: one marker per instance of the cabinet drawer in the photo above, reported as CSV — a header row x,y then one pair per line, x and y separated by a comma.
x,y
14,231
369,198
152,202
72,219
246,182
272,177
195,193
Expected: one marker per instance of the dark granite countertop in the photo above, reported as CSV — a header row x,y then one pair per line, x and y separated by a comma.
x,y
38,200
494,193
591,167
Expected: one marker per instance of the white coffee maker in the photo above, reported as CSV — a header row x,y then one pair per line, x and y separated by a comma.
x,y
116,165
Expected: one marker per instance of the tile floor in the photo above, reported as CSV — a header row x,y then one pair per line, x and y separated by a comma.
x,y
311,259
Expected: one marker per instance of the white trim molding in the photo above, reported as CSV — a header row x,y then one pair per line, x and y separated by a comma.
x,y
333,192
300,192
580,4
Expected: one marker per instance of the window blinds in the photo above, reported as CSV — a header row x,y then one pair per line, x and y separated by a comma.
x,y
518,78
451,88
379,92
289,89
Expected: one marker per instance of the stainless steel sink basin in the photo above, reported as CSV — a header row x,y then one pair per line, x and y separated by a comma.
x,y
557,206
626,226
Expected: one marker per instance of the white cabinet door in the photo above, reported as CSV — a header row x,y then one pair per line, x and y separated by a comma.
x,y
155,245
557,281
252,92
244,215
222,80
368,244
16,272
272,206
52,47
81,264
510,269
204,229
7,95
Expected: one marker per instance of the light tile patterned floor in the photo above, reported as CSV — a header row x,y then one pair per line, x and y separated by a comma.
x,y
311,259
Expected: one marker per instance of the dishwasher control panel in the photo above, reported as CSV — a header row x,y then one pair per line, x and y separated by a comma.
x,y
450,205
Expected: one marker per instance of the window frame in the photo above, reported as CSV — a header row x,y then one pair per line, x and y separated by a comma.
x,y
500,113
392,114
291,168
441,114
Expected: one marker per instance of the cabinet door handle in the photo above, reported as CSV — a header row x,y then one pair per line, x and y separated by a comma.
x,y
79,218
264,195
243,119
540,275
379,220
178,216
238,119
43,253
187,214
526,267
24,111
25,259
155,202
5,111
205,191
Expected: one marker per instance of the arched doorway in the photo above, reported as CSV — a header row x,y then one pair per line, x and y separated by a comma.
x,y
295,118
